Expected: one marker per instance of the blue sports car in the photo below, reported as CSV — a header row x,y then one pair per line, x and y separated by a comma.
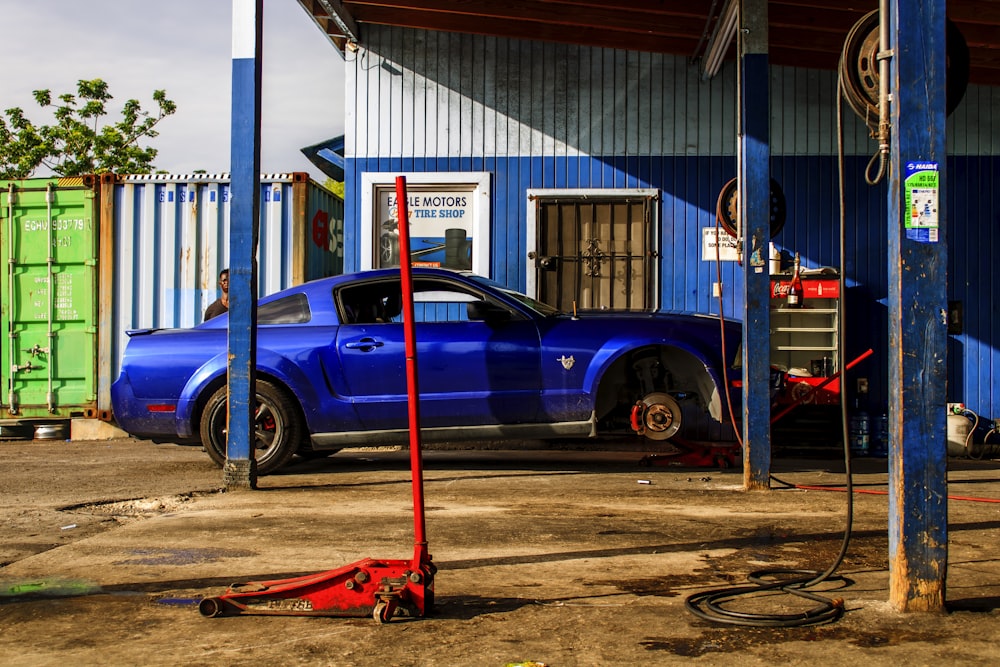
x,y
492,363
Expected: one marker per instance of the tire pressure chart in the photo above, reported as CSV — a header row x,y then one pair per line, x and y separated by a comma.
x,y
921,194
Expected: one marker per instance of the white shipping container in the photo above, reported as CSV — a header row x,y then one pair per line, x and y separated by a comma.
x,y
168,238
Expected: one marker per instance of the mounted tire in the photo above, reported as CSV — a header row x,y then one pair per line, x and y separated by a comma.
x,y
277,427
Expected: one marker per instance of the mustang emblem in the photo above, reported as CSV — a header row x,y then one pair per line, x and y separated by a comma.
x,y
567,362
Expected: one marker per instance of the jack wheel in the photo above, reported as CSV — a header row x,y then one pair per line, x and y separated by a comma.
x,y
211,607
381,613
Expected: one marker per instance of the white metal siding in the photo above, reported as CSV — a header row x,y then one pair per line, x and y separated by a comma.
x,y
436,94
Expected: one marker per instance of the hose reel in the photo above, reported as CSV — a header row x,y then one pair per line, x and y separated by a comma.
x,y
860,76
727,208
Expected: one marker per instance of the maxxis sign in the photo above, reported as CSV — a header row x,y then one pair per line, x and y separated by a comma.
x,y
921,195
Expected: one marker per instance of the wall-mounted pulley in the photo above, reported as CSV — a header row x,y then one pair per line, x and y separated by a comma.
x,y
727,208
860,75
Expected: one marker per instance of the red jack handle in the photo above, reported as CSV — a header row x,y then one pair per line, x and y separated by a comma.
x,y
420,554
804,397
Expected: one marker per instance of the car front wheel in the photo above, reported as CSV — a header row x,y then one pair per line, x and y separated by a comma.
x,y
276,424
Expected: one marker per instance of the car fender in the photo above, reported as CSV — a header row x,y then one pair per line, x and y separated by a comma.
x,y
615,348
269,363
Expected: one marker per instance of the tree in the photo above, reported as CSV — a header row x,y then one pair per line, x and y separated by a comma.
x,y
78,143
336,187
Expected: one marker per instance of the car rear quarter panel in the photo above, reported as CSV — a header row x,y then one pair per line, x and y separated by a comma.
x,y
158,365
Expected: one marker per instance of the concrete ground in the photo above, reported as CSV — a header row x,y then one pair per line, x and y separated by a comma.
x,y
565,557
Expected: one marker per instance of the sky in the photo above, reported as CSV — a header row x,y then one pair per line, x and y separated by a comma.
x,y
185,48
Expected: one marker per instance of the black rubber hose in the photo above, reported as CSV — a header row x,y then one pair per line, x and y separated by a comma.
x,y
710,605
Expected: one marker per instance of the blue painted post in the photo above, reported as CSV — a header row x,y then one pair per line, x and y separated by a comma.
x,y
918,486
240,471
755,188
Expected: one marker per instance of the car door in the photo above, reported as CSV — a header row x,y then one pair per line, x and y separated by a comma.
x,y
469,372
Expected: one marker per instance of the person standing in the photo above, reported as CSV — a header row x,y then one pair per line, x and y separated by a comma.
x,y
220,305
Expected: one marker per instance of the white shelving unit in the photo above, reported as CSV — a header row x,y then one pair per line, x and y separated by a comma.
x,y
806,338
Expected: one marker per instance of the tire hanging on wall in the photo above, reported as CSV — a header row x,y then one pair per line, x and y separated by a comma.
x,y
727,208
859,68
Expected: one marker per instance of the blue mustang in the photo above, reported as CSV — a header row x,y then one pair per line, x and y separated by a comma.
x,y
492,363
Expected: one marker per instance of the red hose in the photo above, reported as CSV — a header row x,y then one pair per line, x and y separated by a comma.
x,y
873,492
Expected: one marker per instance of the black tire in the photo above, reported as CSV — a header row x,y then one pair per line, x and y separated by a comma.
x,y
389,250
727,208
277,426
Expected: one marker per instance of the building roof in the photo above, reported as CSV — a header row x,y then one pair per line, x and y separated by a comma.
x,y
328,157
804,33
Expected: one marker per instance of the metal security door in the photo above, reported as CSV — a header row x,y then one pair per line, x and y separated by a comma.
x,y
595,252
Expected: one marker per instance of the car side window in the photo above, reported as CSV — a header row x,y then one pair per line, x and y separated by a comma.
x,y
377,303
436,305
434,300
440,301
292,309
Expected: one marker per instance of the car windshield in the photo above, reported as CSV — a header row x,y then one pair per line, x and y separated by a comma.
x,y
543,309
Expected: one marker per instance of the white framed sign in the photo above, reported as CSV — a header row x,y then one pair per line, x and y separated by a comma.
x,y
449,220
727,246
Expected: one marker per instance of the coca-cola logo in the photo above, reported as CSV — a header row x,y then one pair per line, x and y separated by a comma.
x,y
779,290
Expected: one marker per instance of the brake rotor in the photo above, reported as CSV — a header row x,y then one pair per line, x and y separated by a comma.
x,y
859,68
727,208
660,417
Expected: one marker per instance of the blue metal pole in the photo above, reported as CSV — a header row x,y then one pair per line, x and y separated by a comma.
x,y
918,486
240,468
755,188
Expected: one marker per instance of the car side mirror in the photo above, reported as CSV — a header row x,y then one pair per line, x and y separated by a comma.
x,y
484,311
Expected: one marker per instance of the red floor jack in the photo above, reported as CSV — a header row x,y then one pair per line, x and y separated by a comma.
x,y
380,588
648,417
689,454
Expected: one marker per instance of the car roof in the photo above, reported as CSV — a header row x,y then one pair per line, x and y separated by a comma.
x,y
319,288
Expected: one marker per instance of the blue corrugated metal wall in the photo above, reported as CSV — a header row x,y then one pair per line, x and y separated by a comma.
x,y
558,116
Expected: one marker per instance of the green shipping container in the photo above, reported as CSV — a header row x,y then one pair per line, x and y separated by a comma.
x,y
49,237
131,251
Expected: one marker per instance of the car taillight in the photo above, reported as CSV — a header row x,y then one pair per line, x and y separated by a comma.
x,y
161,408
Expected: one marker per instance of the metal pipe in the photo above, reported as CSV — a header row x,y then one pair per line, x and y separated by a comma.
x,y
884,124
11,333
883,76
49,199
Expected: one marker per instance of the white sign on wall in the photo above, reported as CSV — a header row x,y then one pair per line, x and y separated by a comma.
x,y
727,248
449,220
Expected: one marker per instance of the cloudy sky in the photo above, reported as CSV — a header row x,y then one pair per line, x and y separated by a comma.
x,y
185,48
